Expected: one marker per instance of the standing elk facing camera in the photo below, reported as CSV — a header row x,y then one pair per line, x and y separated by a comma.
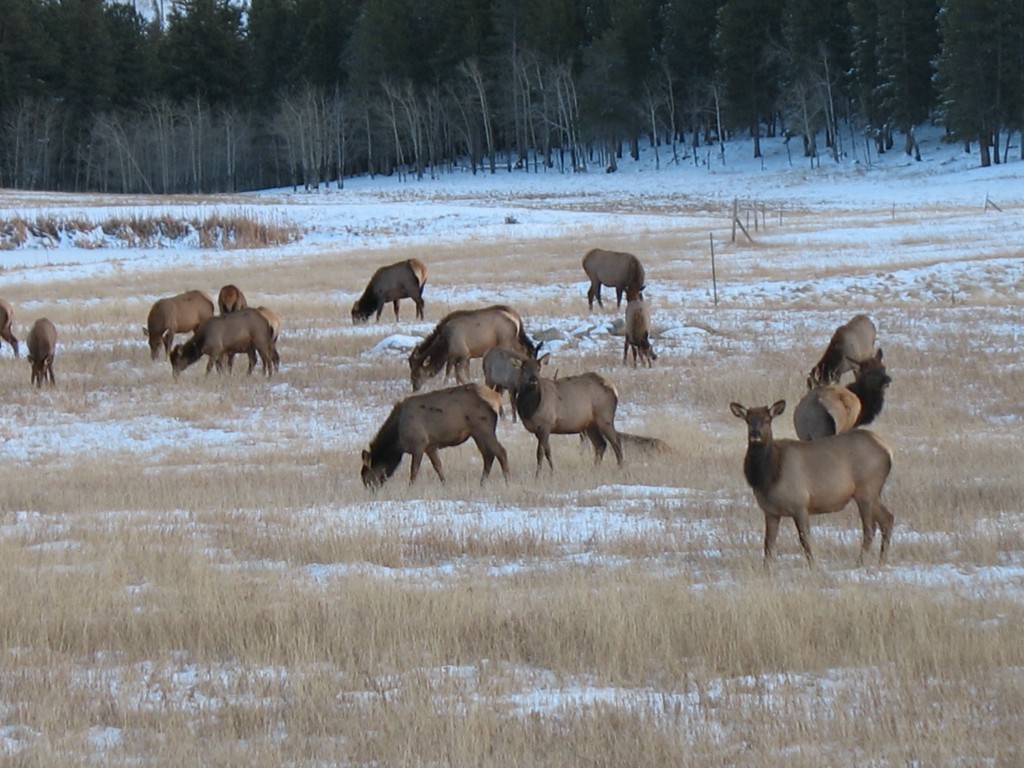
x,y
501,372
638,331
222,336
796,479
583,404
422,424
176,314
403,280
831,409
231,299
621,271
466,334
851,342
42,345
6,316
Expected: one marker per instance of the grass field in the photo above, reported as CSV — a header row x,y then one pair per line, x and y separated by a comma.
x,y
194,574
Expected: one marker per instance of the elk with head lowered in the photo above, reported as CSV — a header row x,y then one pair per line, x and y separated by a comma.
x,y
851,342
792,478
574,405
222,336
422,424
637,331
42,346
466,334
621,271
403,280
231,299
175,314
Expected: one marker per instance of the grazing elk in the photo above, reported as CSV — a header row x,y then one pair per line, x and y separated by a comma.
x,y
231,299
274,320
583,404
831,409
422,424
621,271
176,314
42,345
796,479
6,316
403,280
466,334
851,342
638,331
221,336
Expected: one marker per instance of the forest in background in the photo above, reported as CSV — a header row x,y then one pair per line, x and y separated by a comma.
x,y
190,96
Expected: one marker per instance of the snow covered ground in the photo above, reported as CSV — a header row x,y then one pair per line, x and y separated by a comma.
x,y
901,239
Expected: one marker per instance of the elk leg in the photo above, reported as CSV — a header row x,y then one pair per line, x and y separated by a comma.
x,y
435,459
885,520
618,298
252,361
803,529
49,370
593,432
625,350
395,305
543,451
868,525
414,469
613,437
419,307
490,448
771,532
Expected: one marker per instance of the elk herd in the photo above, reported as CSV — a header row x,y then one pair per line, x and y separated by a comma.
x,y
833,461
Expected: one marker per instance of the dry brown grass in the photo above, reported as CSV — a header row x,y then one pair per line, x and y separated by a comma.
x,y
230,594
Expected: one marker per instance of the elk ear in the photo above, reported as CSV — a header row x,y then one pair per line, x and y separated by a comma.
x,y
738,410
777,408
367,463
544,359
145,332
878,355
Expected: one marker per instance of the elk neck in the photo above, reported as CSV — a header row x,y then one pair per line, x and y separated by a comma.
x,y
528,399
761,464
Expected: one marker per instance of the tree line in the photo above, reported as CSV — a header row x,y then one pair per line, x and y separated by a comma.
x,y
212,95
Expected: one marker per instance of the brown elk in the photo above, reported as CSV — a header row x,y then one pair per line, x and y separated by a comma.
x,y
466,334
638,331
422,424
501,372
221,336
403,280
831,409
796,479
621,271
6,316
583,404
42,345
175,314
274,320
231,299
851,342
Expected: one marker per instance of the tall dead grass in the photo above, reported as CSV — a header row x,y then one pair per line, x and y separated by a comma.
x,y
229,593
